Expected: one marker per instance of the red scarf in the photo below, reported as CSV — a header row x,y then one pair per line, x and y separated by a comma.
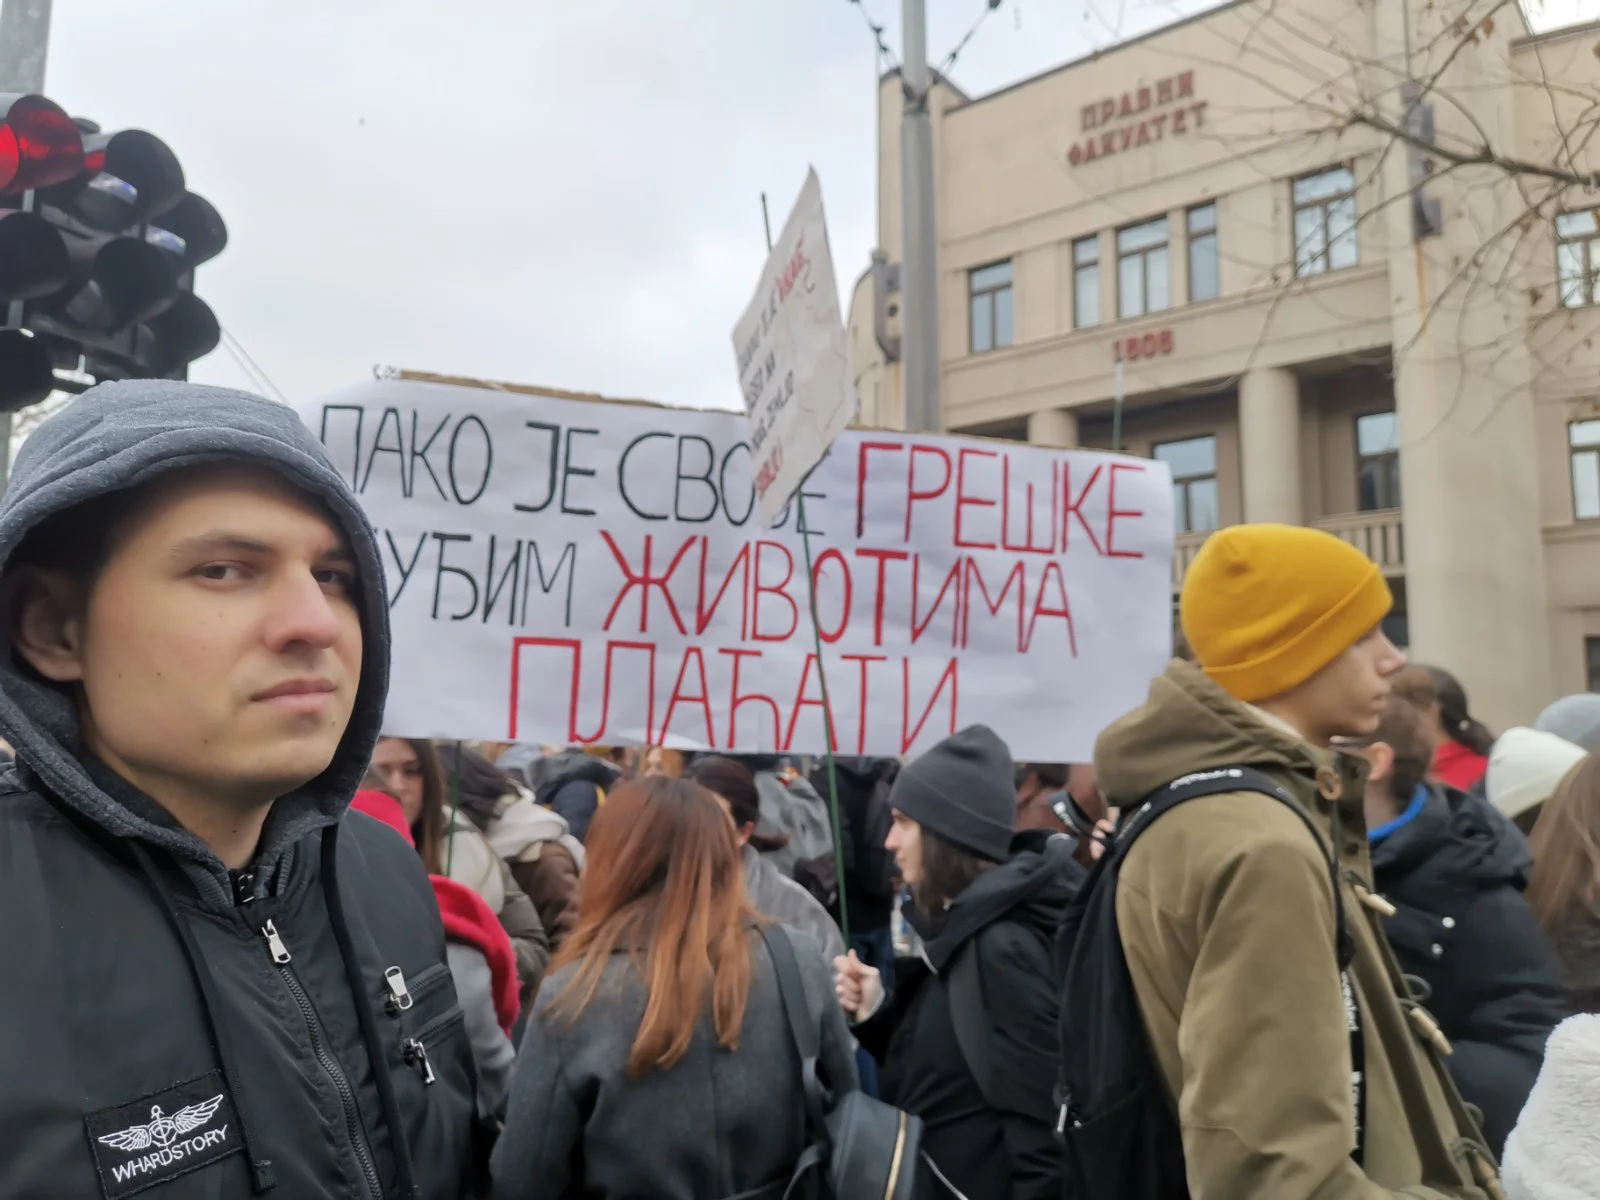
x,y
1457,766
468,919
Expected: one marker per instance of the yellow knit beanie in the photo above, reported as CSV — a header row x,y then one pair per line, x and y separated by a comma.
x,y
1265,607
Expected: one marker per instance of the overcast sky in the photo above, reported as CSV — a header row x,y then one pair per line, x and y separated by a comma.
x,y
561,194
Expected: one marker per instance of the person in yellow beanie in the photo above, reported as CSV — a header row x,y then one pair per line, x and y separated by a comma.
x,y
1289,619
1225,903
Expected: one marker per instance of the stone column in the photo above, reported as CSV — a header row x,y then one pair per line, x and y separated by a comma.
x,y
1269,446
1470,466
1055,427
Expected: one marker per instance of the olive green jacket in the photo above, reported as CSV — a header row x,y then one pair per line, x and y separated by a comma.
x,y
1227,920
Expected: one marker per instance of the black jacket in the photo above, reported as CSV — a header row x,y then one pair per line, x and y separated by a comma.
x,y
868,868
1456,872
117,972
571,783
1003,1145
169,1028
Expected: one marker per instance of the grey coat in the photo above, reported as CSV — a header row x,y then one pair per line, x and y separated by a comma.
x,y
492,1050
717,1123
773,894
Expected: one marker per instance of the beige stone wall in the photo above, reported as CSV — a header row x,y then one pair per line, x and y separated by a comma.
x,y
1554,80
1503,584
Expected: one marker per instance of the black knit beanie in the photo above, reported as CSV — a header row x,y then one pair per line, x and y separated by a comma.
x,y
963,791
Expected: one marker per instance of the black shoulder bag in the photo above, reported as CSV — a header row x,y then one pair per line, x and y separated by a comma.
x,y
857,1148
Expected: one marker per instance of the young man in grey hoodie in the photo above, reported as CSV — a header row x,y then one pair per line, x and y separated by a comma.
x,y
215,983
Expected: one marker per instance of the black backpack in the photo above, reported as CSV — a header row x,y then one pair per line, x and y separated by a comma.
x,y
1120,1139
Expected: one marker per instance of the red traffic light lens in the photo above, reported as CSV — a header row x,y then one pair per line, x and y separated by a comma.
x,y
41,143
10,157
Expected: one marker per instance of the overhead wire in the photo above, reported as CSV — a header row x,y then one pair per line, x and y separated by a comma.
x,y
950,59
886,56
253,369
251,377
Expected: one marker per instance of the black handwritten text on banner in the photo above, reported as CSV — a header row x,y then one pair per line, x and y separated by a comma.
x,y
572,571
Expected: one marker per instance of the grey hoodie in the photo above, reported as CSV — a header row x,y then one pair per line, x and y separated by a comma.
x,y
117,436
133,960
792,809
773,894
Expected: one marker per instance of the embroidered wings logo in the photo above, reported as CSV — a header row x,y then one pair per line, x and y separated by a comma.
x,y
161,1130
162,1135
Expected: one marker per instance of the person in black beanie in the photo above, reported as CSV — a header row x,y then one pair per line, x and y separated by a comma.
x,y
987,902
962,790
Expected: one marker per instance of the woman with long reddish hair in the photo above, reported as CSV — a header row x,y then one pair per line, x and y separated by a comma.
x,y
659,1061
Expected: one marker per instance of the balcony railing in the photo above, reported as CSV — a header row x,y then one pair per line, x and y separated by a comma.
x,y
1379,535
1184,547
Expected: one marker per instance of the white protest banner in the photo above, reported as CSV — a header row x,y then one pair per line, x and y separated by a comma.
x,y
563,570
794,361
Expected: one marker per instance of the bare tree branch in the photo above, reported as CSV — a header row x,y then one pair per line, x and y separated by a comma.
x,y
1426,112
1483,156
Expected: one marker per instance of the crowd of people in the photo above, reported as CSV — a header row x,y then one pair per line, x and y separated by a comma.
x,y
1304,927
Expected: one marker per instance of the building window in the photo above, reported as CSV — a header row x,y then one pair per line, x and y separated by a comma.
x,y
1085,282
1591,651
1144,271
1204,283
1583,440
1325,221
1397,628
1194,482
1578,259
1378,461
1397,625
989,292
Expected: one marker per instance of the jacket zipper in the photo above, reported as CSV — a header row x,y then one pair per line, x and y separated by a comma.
x,y
416,1048
319,1048
417,1055
426,982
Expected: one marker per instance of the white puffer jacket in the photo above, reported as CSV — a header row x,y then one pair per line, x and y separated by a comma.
x,y
1554,1152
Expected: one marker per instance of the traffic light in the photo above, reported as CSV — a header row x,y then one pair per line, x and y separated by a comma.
x,y
99,241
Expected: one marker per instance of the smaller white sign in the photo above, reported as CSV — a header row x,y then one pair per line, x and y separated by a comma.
x,y
794,359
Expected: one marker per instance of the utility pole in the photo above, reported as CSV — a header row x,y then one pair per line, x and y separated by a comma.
x,y
919,285
24,45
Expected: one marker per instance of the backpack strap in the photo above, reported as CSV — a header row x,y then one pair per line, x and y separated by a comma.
x,y
1247,779
965,993
1220,782
802,1028
807,1038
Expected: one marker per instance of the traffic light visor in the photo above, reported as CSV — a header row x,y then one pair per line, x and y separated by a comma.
x,y
33,257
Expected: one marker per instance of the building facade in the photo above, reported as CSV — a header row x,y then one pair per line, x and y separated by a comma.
x,y
1232,225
